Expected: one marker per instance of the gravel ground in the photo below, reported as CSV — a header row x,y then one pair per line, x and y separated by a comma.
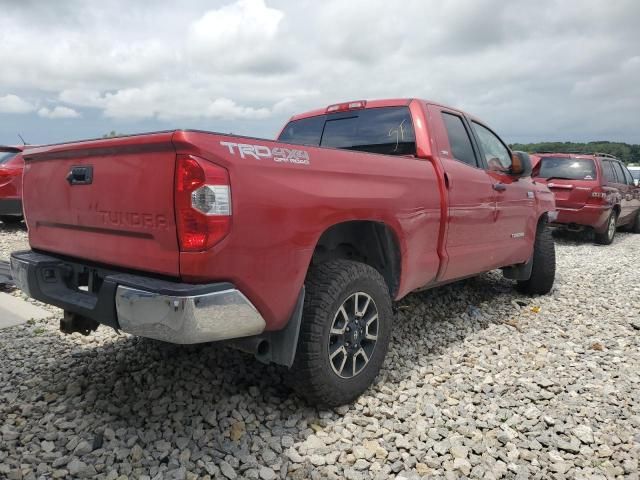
x,y
12,238
479,382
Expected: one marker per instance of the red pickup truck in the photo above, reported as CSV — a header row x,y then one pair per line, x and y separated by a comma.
x,y
290,249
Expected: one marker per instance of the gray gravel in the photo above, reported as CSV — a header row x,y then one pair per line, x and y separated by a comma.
x,y
12,238
480,382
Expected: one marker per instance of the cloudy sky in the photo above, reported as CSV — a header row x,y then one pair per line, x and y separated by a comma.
x,y
544,70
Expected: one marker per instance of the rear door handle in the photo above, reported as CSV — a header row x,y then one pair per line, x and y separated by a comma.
x,y
500,187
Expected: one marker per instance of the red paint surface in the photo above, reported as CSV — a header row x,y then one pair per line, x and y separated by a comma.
x,y
11,177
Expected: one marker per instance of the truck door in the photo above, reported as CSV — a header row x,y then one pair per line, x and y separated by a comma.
x,y
515,225
471,214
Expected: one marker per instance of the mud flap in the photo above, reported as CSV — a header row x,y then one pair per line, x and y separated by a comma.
x,y
520,272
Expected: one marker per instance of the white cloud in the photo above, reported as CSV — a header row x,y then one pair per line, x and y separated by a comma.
x,y
533,70
13,104
240,36
58,112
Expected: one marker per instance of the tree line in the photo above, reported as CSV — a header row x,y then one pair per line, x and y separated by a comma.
x,y
628,153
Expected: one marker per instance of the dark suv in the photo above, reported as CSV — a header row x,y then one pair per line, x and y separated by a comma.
x,y
595,191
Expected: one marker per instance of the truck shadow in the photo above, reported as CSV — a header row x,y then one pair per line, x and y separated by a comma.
x,y
142,388
12,228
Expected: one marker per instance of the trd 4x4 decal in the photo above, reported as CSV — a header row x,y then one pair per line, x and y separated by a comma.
x,y
277,154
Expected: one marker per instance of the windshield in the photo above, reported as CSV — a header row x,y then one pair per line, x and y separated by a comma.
x,y
6,156
567,168
388,131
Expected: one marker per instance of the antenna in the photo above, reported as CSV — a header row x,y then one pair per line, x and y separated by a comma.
x,y
22,139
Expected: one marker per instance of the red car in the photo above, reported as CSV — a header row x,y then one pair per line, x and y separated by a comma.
x,y
11,165
592,191
291,249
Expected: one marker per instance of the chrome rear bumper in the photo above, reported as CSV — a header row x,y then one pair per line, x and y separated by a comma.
x,y
187,319
145,306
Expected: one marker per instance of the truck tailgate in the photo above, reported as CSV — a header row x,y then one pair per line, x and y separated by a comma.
x,y
109,201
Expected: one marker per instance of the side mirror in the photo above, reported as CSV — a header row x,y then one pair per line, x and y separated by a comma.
x,y
520,164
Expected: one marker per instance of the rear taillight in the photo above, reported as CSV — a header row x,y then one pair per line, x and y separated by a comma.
x,y
597,195
203,203
7,176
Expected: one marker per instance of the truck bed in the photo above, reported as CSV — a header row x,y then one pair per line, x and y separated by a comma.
x,y
284,197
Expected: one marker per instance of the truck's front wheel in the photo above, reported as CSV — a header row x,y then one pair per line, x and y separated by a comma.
x,y
543,270
345,332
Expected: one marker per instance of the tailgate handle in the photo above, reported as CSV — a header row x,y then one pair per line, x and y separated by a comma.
x,y
80,175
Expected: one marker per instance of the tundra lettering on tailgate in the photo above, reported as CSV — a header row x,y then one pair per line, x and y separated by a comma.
x,y
277,154
132,219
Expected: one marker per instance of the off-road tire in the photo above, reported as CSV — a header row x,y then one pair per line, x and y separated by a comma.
x,y
543,270
606,237
328,286
10,219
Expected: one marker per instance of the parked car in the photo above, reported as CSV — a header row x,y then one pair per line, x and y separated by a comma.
x,y
592,191
11,165
635,173
292,249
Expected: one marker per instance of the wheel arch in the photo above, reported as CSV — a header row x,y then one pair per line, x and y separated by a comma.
x,y
371,242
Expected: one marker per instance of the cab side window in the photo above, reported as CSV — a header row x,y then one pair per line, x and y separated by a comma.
x,y
461,148
496,154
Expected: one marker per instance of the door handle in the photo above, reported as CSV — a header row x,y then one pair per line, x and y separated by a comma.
x,y
500,187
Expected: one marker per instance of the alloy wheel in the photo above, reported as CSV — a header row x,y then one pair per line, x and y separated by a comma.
x,y
353,335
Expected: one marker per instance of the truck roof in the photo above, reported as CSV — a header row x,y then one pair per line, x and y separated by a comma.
x,y
379,103
390,102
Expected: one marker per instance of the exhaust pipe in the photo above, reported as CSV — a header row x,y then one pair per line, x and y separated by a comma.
x,y
257,346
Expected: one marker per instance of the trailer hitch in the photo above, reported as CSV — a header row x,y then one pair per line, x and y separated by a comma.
x,y
72,322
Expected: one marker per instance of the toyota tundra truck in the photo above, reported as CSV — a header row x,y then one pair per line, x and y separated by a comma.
x,y
292,249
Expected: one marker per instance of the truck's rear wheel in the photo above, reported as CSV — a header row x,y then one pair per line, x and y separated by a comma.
x,y
345,332
543,270
606,237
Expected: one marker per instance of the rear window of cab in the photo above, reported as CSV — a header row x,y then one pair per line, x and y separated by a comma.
x,y
563,168
387,130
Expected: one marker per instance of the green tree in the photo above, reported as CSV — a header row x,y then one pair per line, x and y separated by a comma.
x,y
628,153
112,133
